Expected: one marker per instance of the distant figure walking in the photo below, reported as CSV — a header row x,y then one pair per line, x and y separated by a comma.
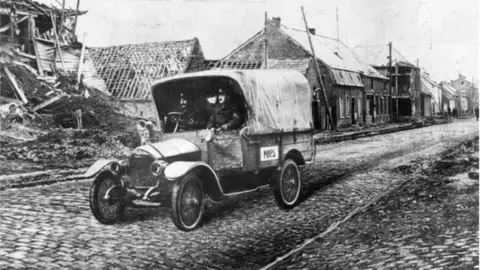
x,y
455,112
476,112
449,111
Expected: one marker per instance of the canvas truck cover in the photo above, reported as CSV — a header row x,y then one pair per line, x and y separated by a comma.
x,y
278,100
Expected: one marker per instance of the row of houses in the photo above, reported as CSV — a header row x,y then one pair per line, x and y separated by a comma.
x,y
361,85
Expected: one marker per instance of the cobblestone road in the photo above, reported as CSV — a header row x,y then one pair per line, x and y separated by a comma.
x,y
431,222
52,226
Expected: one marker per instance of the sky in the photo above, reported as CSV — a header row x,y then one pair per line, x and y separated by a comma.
x,y
442,34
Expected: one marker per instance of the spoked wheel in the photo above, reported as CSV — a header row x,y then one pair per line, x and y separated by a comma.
x,y
188,204
107,210
288,185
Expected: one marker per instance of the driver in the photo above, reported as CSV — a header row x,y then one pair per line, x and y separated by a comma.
x,y
228,116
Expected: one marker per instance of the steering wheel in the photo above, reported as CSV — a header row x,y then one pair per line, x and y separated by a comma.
x,y
175,117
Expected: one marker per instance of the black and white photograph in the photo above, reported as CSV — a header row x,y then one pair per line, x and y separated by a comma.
x,y
239,134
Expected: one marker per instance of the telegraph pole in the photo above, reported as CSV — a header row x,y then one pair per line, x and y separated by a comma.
x,y
319,77
390,80
396,89
338,33
265,43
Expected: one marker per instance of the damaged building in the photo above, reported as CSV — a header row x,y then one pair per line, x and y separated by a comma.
x,y
409,99
129,70
44,68
467,94
449,96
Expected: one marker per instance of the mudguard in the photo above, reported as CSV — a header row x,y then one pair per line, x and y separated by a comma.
x,y
97,167
177,170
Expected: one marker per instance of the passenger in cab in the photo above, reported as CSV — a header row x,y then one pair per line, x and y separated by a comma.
x,y
228,115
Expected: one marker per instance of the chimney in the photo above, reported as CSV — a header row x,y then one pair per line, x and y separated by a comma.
x,y
312,31
277,22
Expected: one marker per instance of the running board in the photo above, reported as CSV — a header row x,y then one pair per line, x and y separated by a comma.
x,y
145,204
244,191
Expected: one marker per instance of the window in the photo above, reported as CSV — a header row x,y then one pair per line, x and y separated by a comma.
x,y
377,99
371,83
340,107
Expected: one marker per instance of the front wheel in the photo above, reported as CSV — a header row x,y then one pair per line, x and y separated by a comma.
x,y
288,185
106,210
187,203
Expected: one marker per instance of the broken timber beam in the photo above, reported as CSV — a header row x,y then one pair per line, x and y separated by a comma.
x,y
15,85
6,27
35,47
80,62
57,42
39,8
48,102
10,100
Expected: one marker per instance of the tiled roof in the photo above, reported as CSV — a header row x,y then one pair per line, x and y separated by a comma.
x,y
332,52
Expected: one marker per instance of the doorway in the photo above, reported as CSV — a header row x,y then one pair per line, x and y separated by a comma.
x,y
352,110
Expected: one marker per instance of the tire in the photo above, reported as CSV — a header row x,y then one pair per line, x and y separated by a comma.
x,y
107,212
287,185
185,192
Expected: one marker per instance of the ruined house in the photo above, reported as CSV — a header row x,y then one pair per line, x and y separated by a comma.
x,y
129,70
433,107
344,76
409,99
467,93
449,96
42,39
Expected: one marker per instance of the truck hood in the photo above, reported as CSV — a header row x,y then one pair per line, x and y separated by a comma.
x,y
170,148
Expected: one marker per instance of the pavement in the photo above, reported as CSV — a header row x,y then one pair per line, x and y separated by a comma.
x,y
52,227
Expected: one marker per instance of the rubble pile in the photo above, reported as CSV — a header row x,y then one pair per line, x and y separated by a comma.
x,y
62,104
62,125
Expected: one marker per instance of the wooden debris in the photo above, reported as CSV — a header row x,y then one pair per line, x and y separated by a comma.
x,y
25,66
10,100
82,56
57,42
47,103
8,26
15,85
39,8
26,55
78,118
35,48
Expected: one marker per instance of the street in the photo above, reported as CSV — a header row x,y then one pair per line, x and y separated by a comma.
x,y
53,227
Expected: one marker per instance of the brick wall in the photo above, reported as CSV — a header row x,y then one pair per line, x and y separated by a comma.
x,y
279,47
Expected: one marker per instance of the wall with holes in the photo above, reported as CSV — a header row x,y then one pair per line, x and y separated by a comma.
x,y
140,108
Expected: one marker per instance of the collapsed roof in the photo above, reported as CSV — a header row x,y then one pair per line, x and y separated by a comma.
x,y
377,55
130,70
35,8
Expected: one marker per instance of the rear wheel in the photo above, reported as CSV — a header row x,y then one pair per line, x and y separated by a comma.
x,y
107,210
188,204
288,185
